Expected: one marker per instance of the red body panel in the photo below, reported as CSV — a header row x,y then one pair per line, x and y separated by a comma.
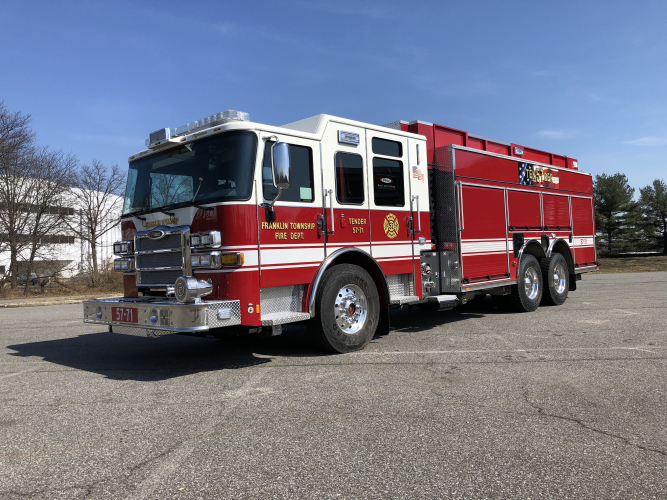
x,y
496,197
438,136
493,188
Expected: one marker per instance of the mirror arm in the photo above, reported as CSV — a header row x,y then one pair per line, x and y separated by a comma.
x,y
280,191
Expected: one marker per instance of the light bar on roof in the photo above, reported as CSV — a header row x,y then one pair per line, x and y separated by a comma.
x,y
160,137
210,121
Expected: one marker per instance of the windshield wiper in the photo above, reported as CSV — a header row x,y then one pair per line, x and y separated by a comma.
x,y
191,204
139,213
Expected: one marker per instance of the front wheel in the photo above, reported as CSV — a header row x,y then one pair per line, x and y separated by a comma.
x,y
348,309
556,280
527,293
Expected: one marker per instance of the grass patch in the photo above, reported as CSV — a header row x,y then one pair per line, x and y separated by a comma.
x,y
633,264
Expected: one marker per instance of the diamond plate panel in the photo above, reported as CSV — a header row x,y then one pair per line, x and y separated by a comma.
x,y
400,300
139,332
399,285
281,299
284,318
444,215
212,313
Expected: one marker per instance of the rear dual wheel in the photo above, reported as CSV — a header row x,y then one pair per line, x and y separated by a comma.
x,y
556,279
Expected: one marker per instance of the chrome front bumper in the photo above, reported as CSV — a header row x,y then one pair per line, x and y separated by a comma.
x,y
160,316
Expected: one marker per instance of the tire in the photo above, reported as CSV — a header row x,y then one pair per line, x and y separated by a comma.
x,y
556,280
347,309
527,293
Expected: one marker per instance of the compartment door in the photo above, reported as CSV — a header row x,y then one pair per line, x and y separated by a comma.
x,y
583,234
291,248
390,209
483,234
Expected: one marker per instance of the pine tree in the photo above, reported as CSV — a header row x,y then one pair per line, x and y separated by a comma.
x,y
653,201
616,214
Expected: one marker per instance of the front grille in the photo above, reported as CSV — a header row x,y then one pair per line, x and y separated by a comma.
x,y
166,259
148,264
168,241
160,277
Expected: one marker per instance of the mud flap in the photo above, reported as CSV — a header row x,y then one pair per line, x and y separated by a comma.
x,y
383,322
573,281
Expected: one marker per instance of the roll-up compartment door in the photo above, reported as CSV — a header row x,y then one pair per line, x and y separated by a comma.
x,y
484,234
524,210
556,212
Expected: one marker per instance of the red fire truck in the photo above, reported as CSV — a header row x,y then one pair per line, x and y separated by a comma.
x,y
230,225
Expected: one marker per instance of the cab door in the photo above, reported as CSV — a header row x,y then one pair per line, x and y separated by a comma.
x,y
390,209
291,247
345,191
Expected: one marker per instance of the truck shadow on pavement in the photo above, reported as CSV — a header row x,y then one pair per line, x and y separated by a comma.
x,y
124,357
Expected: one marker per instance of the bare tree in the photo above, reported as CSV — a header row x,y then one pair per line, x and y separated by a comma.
x,y
50,175
98,197
16,144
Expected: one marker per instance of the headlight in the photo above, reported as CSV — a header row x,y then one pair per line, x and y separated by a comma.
x,y
125,264
123,247
210,260
207,239
215,260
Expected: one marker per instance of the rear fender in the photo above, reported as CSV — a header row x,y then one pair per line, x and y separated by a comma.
x,y
531,247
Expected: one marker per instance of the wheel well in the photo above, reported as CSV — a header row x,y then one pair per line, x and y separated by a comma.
x,y
371,266
564,249
358,258
535,249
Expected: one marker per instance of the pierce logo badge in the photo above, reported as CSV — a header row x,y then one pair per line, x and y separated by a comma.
x,y
156,234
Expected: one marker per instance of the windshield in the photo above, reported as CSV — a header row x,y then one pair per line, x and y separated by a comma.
x,y
218,168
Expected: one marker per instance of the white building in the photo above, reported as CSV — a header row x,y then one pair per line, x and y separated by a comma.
x,y
67,254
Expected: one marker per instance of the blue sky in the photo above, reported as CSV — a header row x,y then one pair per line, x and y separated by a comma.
x,y
585,79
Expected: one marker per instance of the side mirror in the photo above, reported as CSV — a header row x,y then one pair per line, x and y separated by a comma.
x,y
280,162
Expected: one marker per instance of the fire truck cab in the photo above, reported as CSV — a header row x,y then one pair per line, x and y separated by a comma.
x,y
230,225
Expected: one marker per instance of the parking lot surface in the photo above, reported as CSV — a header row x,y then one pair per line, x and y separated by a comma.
x,y
565,402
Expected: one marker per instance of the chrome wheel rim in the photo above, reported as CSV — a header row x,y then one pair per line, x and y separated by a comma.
x,y
350,309
559,279
531,283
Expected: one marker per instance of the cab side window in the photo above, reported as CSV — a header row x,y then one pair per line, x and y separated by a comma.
x,y
301,167
388,187
349,172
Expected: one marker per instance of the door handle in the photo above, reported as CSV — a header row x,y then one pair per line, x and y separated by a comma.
x,y
419,220
329,193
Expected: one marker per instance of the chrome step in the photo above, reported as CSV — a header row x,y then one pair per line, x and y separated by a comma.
x,y
444,302
403,299
281,318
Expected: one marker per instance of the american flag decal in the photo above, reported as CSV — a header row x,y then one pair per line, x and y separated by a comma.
x,y
417,174
525,174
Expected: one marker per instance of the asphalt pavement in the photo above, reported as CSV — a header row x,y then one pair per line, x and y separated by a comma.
x,y
565,402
